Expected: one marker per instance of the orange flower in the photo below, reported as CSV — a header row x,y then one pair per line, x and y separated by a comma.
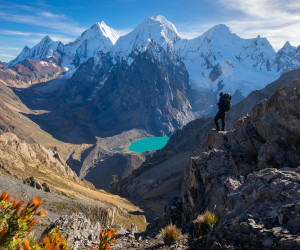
x,y
42,213
8,197
23,211
3,231
46,240
26,245
14,203
3,196
33,222
19,205
37,201
30,202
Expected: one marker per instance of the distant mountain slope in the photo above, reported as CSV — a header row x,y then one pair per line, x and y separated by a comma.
x,y
30,72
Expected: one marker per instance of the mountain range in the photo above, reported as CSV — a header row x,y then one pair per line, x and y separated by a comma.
x,y
100,66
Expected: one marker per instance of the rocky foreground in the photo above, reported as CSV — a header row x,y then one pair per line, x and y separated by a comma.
x,y
251,175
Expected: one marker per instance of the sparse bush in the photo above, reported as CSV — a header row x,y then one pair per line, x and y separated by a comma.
x,y
16,223
106,238
170,234
269,158
204,222
252,154
297,140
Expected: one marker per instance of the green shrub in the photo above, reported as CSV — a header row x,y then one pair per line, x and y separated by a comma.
x,y
170,234
17,222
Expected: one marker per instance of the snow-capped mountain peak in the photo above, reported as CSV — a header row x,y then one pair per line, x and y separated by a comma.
x,y
97,37
156,28
218,30
107,31
44,48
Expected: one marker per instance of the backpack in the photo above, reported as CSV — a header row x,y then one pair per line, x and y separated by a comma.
x,y
227,102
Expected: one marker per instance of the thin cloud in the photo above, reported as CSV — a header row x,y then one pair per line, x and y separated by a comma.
x,y
277,20
15,32
9,48
37,17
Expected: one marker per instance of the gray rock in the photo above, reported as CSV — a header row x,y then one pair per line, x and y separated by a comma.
x,y
78,230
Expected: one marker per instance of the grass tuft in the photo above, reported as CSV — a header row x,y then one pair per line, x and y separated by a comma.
x,y
252,154
170,234
204,222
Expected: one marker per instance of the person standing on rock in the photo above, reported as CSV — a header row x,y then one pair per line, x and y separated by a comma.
x,y
224,105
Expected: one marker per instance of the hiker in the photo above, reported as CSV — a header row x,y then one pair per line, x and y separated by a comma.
x,y
224,105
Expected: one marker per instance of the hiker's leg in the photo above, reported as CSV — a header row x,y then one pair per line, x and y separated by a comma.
x,y
217,117
223,120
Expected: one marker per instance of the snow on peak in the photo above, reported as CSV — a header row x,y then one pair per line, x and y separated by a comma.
x,y
219,29
156,28
159,25
46,39
99,31
44,48
109,32
97,37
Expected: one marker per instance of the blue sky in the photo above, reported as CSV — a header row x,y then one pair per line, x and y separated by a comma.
x,y
27,22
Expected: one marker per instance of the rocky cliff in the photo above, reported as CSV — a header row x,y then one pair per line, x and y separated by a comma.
x,y
251,174
149,93
23,160
167,165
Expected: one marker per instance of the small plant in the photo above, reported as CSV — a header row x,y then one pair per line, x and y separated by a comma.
x,y
16,223
205,222
170,234
106,238
211,219
269,158
297,140
252,154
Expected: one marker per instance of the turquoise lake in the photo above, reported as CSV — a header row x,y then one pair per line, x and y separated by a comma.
x,y
148,144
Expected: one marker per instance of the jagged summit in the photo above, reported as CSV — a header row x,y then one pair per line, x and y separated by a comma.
x,y
101,29
156,28
44,48
98,37
219,29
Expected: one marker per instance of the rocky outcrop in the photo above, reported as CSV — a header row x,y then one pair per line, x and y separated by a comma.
x,y
78,230
26,158
31,181
251,174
